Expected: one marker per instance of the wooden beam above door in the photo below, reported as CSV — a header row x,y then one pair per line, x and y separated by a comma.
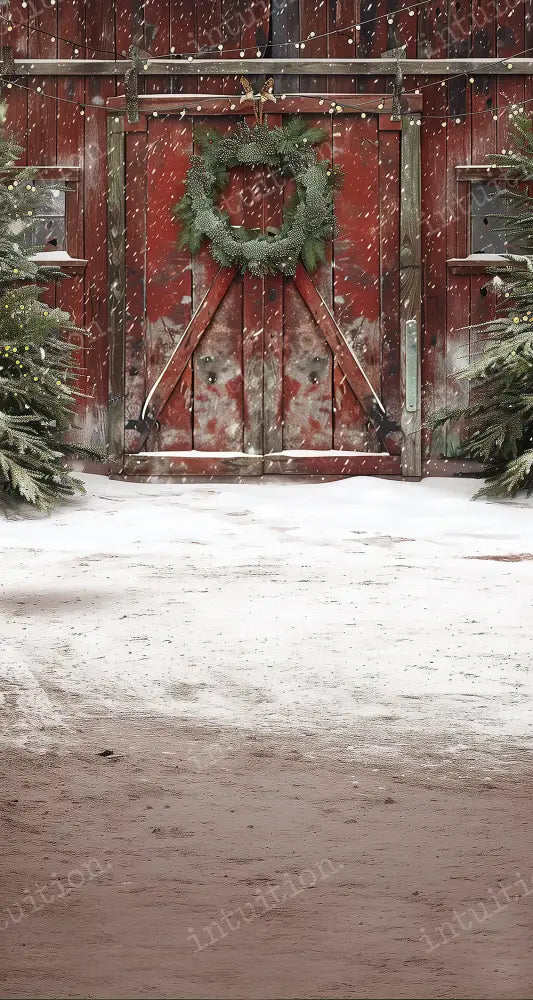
x,y
198,67
229,104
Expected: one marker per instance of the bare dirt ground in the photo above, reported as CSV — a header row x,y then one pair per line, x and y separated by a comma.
x,y
138,852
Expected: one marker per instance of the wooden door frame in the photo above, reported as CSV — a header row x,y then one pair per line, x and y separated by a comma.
x,y
409,465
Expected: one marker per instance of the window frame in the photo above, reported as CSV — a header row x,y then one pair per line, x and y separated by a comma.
x,y
71,176
467,262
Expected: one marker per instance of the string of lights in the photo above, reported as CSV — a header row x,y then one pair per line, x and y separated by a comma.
x,y
313,36
505,61
54,36
53,97
417,117
335,108
496,112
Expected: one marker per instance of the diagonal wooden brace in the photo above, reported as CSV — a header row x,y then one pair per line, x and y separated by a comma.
x,y
343,355
162,390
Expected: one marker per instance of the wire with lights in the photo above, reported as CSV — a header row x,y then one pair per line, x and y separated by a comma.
x,y
415,118
390,16
334,107
313,36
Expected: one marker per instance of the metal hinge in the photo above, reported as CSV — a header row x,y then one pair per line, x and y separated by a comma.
x,y
411,366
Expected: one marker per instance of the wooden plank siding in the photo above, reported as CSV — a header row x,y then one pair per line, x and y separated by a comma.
x,y
65,133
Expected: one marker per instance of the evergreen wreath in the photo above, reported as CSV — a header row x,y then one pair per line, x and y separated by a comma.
x,y
308,219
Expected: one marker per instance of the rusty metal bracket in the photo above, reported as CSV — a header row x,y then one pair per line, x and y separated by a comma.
x,y
7,67
396,49
397,92
131,85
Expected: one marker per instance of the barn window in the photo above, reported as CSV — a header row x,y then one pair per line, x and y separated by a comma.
x,y
48,227
55,225
489,204
482,204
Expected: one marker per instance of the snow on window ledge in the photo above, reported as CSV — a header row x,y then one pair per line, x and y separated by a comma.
x,y
478,263
61,258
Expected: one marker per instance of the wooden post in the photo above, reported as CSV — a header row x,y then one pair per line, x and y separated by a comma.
x,y
410,298
116,287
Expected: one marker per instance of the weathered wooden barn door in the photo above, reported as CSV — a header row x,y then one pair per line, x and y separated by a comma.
x,y
218,374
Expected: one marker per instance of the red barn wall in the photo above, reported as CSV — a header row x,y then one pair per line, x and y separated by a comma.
x,y
59,133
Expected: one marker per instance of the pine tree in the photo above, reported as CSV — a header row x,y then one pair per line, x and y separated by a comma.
x,y
36,372
500,414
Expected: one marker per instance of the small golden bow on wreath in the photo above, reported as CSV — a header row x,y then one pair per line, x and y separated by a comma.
x,y
265,94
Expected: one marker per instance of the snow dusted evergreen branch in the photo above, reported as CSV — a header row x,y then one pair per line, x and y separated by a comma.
x,y
499,416
36,370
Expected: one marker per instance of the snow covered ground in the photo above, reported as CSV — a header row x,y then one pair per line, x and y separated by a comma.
x,y
367,608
